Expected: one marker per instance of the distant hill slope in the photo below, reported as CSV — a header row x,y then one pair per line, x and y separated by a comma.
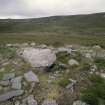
x,y
92,24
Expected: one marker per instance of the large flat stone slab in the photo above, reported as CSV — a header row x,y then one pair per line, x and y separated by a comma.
x,y
11,94
39,57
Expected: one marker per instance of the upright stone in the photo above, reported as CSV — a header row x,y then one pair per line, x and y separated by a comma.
x,y
16,82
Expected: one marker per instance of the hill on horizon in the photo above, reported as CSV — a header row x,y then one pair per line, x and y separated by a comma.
x,y
90,24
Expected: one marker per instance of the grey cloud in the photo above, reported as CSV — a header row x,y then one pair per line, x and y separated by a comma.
x,y
39,8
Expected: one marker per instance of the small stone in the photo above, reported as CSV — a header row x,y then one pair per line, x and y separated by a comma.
x,y
31,100
17,103
73,62
33,44
31,77
49,102
79,103
88,55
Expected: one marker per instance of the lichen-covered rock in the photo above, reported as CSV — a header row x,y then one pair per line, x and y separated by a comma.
x,y
39,57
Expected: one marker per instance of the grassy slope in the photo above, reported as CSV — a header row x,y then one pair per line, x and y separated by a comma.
x,y
80,29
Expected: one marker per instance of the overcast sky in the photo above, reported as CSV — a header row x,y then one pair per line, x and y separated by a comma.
x,y
43,8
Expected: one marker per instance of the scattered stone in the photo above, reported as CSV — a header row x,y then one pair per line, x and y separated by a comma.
x,y
63,49
16,82
71,85
11,94
31,100
43,46
33,44
73,62
88,55
9,45
39,57
49,102
96,47
102,75
31,77
93,69
8,76
79,103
